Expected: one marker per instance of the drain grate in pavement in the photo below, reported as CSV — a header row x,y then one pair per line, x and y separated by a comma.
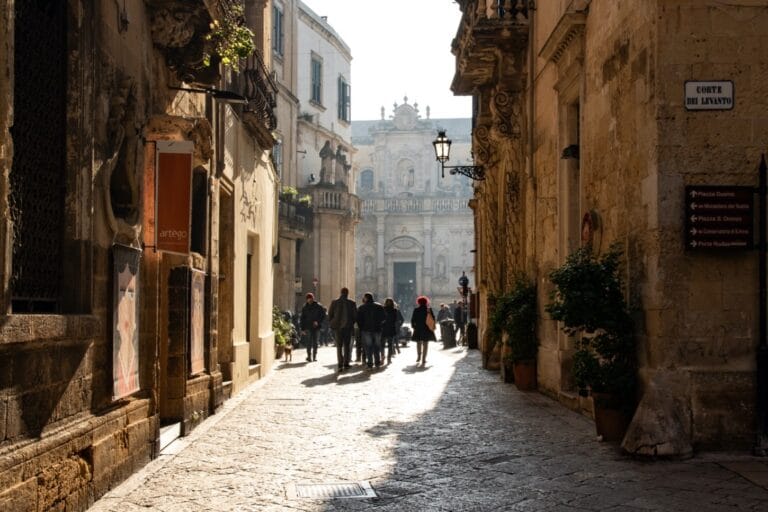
x,y
330,491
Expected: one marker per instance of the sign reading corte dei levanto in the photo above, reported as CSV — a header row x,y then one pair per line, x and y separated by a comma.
x,y
709,95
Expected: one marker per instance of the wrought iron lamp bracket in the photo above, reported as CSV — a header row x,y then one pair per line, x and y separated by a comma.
x,y
475,172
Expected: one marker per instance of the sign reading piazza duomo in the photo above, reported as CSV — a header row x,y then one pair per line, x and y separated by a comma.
x,y
416,234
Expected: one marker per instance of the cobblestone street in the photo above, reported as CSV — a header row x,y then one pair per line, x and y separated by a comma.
x,y
448,437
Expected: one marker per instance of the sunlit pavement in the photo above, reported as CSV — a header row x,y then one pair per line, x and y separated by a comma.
x,y
450,436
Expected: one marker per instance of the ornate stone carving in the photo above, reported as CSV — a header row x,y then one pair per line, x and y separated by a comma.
x,y
117,171
195,129
342,167
178,29
326,167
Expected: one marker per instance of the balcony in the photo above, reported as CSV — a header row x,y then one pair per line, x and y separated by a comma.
x,y
255,83
295,218
333,200
491,43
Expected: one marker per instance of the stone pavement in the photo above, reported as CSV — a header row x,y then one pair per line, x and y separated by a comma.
x,y
449,437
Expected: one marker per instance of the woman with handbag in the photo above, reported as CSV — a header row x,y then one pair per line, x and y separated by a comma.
x,y
423,323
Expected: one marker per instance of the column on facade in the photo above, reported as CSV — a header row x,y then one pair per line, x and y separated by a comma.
x,y
381,270
426,279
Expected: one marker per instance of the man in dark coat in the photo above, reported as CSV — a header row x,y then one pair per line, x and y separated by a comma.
x,y
312,315
370,317
341,318
459,318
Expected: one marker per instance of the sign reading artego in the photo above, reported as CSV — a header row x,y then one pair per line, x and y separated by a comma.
x,y
718,217
173,196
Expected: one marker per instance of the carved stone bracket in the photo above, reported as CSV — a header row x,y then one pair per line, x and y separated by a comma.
x,y
491,45
178,29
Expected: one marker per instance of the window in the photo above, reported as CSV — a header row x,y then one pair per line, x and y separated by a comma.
x,y
366,180
277,31
277,157
317,80
37,181
345,104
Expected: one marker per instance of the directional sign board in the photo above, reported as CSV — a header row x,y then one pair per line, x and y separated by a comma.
x,y
718,217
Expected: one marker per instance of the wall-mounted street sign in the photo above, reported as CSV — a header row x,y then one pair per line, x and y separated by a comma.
x,y
719,217
709,95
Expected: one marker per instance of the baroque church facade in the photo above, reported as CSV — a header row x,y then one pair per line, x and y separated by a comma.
x,y
416,231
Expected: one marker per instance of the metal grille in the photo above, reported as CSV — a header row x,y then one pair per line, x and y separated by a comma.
x,y
39,137
330,491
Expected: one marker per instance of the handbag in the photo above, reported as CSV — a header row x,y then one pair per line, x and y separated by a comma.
x,y
430,320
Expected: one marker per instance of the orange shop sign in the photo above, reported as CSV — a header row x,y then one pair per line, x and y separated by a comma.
x,y
173,196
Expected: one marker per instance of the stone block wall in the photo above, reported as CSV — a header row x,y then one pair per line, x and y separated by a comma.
x,y
695,312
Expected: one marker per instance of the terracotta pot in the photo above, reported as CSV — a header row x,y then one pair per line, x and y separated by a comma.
x,y
507,372
279,350
611,420
525,375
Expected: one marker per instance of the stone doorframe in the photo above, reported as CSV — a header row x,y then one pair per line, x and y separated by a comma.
x,y
404,249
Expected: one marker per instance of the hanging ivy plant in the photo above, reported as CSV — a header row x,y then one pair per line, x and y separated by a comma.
x,y
230,38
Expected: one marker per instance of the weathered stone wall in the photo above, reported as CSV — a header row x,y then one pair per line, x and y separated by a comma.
x,y
639,147
701,308
63,439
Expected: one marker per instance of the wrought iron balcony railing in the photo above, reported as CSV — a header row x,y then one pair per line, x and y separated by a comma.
x,y
256,84
295,217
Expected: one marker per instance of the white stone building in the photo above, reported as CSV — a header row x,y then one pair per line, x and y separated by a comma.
x,y
416,234
324,169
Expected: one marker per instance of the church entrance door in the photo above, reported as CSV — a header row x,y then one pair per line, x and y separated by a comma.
x,y
404,274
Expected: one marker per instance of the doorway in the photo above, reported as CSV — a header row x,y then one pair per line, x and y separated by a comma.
x,y
404,278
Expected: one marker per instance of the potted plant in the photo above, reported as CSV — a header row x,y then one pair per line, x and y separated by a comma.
x,y
514,321
288,194
283,331
589,300
230,38
305,200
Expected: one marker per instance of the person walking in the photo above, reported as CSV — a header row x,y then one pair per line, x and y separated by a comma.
x,y
422,333
370,317
444,319
312,315
460,320
393,319
341,318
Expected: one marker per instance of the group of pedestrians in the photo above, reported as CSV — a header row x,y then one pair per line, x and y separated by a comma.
x,y
378,328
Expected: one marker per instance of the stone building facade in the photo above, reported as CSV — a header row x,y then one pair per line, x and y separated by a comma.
x,y
583,124
138,226
417,232
295,217
324,170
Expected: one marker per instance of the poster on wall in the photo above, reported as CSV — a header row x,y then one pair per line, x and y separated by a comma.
x,y
173,196
125,321
197,318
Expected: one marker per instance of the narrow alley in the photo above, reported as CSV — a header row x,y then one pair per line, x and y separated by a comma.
x,y
448,437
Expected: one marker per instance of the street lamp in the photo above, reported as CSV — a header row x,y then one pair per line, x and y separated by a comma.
x,y
442,154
